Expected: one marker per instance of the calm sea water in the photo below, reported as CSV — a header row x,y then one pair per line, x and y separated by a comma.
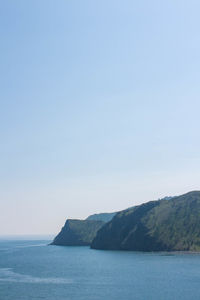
x,y
32,270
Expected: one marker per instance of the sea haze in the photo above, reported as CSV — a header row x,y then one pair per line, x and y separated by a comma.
x,y
29,237
33,270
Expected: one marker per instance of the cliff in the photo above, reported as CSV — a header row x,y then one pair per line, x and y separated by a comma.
x,y
77,233
105,217
164,225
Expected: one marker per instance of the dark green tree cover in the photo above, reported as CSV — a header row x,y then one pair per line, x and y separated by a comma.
x,y
163,225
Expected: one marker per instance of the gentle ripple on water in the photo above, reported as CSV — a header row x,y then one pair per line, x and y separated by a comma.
x,y
32,270
8,275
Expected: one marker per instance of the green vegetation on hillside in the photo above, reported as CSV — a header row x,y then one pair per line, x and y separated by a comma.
x,y
164,225
77,233
105,217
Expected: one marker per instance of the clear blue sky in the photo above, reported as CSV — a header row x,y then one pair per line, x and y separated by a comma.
x,y
99,108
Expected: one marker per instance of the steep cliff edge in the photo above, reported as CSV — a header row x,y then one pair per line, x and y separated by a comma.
x,y
77,233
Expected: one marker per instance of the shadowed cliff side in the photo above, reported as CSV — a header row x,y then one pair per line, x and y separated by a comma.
x,y
164,225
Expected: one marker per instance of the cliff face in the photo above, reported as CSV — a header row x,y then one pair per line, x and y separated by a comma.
x,y
164,225
77,233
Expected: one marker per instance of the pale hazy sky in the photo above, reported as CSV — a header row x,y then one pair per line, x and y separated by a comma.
x,y
99,107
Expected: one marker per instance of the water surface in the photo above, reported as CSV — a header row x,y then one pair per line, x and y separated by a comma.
x,y
32,270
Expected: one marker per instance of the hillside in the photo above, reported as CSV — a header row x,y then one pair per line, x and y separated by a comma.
x,y
105,217
77,233
164,225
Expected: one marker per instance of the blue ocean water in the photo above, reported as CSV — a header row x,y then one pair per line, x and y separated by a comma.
x,y
33,270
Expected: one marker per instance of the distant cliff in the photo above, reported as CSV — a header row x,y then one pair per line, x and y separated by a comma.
x,y
165,225
105,217
77,233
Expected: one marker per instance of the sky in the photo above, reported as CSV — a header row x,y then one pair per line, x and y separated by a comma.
x,y
99,107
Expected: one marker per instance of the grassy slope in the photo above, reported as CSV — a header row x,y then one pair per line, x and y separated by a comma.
x,y
105,217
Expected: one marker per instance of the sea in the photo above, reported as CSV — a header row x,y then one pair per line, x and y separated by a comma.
x,y
31,269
